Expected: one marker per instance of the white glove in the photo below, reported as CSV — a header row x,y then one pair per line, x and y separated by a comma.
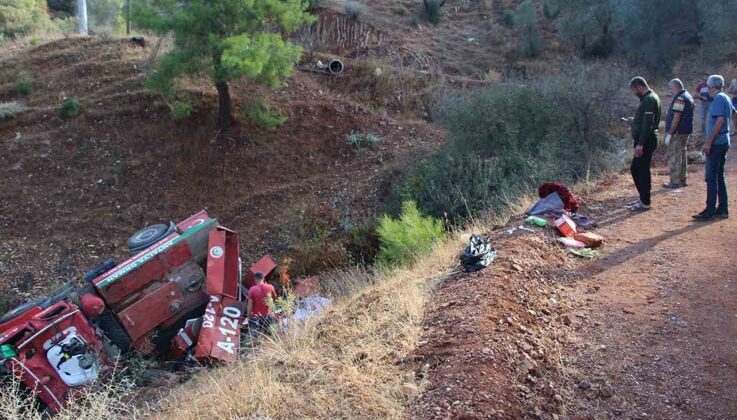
x,y
667,139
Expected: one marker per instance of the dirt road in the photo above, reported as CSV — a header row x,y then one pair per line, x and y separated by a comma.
x,y
647,331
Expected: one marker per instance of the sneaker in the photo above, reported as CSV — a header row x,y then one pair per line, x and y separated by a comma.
x,y
721,214
672,186
704,216
640,206
633,203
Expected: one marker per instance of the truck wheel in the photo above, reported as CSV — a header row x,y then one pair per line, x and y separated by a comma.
x,y
113,331
148,236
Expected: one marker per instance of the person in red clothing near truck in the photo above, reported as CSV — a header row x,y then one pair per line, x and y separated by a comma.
x,y
258,308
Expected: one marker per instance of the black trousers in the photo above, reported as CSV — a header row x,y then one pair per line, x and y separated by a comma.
x,y
640,169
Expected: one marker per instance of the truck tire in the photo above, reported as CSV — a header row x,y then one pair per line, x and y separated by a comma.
x,y
113,331
148,236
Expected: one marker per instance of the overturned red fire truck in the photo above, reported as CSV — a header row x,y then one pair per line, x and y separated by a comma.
x,y
180,295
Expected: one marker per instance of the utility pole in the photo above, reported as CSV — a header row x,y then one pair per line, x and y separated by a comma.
x,y
82,17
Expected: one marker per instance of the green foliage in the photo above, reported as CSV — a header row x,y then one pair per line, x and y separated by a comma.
x,y
181,110
62,6
34,42
22,17
530,41
399,10
11,109
433,10
24,84
505,141
717,27
259,112
70,108
408,237
551,10
509,18
223,39
283,305
314,5
414,21
354,9
106,16
357,140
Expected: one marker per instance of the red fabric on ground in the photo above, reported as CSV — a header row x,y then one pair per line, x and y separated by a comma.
x,y
569,200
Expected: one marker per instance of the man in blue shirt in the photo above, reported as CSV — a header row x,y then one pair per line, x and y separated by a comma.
x,y
716,146
678,129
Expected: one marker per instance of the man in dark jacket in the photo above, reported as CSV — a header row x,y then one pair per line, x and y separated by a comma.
x,y
645,136
678,129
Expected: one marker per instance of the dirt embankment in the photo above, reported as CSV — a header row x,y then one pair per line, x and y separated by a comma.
x,y
73,190
643,332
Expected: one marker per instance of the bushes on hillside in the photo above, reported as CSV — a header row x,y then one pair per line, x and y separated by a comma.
x,y
22,17
433,10
530,38
506,140
23,84
70,108
404,239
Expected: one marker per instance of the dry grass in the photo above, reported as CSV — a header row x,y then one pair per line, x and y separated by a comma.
x,y
104,400
344,366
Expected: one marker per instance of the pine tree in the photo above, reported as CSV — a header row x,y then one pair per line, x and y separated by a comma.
x,y
224,40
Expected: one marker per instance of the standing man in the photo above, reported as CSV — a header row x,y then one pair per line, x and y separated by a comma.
x,y
678,129
715,148
645,136
258,308
704,100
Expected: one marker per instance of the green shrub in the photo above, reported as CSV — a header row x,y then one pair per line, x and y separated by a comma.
x,y
106,16
404,239
260,113
359,139
433,10
509,18
414,21
24,84
505,141
70,108
551,10
22,17
530,38
354,9
399,10
34,42
181,110
313,5
11,109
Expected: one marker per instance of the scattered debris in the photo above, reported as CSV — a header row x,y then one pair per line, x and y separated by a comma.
x,y
537,221
566,226
478,254
590,239
570,203
586,253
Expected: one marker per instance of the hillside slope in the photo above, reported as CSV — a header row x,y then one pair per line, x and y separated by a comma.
x,y
74,189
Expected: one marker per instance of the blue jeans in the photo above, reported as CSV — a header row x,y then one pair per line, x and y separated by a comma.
x,y
716,186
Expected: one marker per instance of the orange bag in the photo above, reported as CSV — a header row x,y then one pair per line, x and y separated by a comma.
x,y
566,226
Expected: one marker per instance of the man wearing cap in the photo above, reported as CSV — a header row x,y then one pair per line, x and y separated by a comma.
x,y
258,308
678,129
645,136
717,143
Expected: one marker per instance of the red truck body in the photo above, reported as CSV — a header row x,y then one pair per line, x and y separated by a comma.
x,y
181,295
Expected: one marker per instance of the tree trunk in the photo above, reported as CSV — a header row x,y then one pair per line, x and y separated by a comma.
x,y
128,17
225,105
